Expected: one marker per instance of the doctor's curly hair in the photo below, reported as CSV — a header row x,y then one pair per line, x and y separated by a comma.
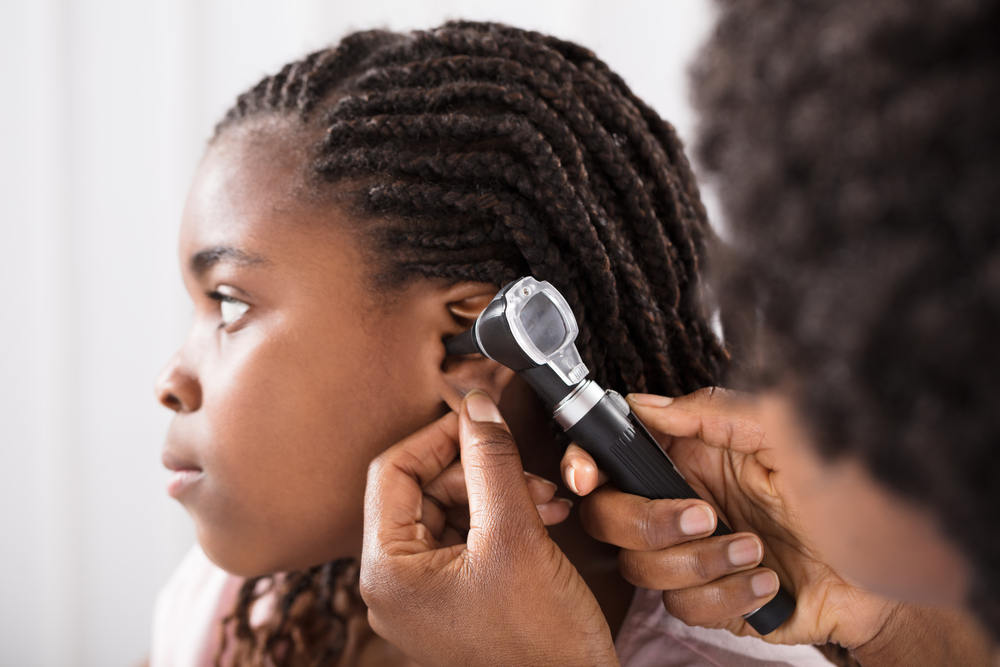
x,y
480,152
856,147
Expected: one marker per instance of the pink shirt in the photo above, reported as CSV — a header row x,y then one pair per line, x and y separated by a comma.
x,y
189,609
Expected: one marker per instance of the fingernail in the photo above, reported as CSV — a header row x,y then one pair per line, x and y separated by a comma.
x,y
482,408
571,480
650,400
744,551
541,479
565,500
696,520
764,583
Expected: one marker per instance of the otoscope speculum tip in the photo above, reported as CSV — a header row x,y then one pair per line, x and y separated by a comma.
x,y
463,343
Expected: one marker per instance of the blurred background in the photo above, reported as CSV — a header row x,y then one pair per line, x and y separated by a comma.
x,y
107,106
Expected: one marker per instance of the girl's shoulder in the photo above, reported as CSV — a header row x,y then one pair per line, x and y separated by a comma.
x,y
187,617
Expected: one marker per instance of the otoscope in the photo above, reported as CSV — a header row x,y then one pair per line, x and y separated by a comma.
x,y
530,328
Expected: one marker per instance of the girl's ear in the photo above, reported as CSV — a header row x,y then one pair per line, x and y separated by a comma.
x,y
461,374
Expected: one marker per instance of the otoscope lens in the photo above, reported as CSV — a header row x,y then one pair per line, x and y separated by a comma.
x,y
543,323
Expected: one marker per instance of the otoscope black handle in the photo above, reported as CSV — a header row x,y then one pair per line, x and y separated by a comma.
x,y
628,454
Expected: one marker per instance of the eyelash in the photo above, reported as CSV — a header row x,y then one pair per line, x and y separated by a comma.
x,y
225,298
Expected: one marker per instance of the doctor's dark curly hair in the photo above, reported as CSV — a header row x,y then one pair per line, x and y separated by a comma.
x,y
479,152
857,149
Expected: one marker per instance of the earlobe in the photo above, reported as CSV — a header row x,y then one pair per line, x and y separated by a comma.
x,y
460,374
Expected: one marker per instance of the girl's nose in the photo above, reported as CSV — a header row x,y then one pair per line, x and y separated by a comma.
x,y
177,387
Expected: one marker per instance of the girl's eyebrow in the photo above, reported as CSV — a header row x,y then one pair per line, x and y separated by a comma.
x,y
204,260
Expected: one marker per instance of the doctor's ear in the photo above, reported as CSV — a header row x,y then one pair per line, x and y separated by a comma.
x,y
461,373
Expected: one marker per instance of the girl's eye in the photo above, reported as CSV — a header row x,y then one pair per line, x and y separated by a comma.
x,y
232,310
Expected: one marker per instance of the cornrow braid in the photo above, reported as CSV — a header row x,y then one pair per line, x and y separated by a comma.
x,y
480,152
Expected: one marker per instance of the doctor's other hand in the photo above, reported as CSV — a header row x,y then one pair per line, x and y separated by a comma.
x,y
478,586
716,440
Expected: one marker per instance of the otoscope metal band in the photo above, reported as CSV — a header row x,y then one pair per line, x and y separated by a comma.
x,y
577,404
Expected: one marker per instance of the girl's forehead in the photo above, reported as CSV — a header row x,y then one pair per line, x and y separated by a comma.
x,y
253,163
248,195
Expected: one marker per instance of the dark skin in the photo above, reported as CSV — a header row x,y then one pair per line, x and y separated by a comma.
x,y
500,593
723,443
596,561
818,519
289,383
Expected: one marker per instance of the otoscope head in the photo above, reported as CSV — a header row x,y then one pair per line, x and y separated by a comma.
x,y
527,325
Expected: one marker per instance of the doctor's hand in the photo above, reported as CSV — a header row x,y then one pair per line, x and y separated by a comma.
x,y
486,586
715,439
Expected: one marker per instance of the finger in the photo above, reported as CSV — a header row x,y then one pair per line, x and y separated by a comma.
x,y
638,523
718,417
580,472
446,501
691,564
540,489
394,501
721,600
448,489
501,511
555,512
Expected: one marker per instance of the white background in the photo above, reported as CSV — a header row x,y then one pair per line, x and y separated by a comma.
x,y
105,109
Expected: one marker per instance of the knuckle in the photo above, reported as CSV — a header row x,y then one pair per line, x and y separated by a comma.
x,y
495,442
647,569
678,603
376,466
657,524
700,566
703,604
705,394
492,454
649,527
629,567
731,603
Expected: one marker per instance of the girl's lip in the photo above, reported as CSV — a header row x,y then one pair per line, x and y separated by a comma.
x,y
181,480
173,462
185,474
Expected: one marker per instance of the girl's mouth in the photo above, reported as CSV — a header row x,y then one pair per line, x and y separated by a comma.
x,y
185,474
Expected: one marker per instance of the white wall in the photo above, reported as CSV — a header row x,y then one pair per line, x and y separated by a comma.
x,y
105,108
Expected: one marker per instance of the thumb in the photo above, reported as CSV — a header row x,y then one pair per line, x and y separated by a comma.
x,y
501,511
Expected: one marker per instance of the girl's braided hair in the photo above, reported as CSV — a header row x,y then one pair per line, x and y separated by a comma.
x,y
480,152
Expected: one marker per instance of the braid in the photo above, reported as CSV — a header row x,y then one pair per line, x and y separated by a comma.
x,y
308,624
480,152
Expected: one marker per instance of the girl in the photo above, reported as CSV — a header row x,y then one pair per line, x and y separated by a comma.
x,y
351,212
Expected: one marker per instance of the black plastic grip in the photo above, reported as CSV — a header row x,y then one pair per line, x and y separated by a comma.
x,y
628,454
